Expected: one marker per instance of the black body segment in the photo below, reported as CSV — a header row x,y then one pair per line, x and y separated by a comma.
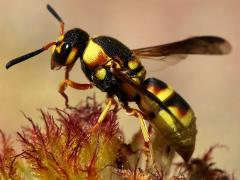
x,y
114,48
109,84
78,38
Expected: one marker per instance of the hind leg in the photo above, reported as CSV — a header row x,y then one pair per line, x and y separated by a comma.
x,y
145,132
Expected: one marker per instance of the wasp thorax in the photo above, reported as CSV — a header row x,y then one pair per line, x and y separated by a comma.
x,y
68,48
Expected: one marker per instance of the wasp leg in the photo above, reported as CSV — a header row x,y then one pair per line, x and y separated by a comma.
x,y
56,15
109,101
66,82
139,115
146,136
63,85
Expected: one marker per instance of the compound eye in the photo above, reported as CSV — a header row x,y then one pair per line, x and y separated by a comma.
x,y
60,55
65,50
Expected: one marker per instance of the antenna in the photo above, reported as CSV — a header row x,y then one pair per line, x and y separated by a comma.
x,y
44,48
29,55
56,15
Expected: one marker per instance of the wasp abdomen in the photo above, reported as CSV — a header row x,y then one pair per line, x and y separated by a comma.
x,y
179,127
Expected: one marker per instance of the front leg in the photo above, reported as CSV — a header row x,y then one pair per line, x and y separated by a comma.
x,y
66,82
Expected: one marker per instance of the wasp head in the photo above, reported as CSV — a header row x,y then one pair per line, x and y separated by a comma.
x,y
68,48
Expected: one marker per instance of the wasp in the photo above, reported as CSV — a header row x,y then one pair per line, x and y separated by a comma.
x,y
117,70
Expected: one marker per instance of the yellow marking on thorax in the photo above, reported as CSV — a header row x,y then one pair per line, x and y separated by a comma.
x,y
142,73
133,64
100,73
94,55
111,62
140,76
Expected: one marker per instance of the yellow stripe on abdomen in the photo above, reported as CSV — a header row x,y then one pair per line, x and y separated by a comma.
x,y
162,93
172,101
175,120
185,117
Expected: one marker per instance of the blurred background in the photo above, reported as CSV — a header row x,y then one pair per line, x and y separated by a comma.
x,y
209,83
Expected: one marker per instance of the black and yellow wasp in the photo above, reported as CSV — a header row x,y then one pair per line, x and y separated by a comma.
x,y
115,69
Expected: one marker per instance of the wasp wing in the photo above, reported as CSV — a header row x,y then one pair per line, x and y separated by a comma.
x,y
163,62
210,45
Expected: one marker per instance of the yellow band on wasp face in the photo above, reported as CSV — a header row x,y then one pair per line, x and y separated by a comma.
x,y
72,56
58,48
53,48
